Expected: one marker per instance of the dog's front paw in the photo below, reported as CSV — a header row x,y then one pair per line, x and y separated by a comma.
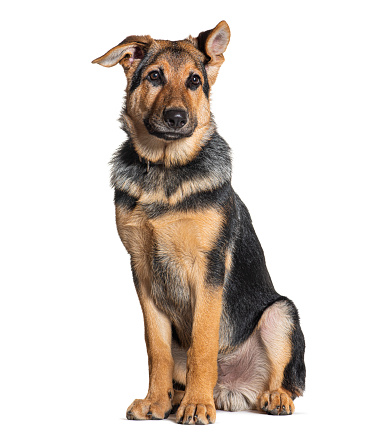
x,y
276,403
149,410
196,413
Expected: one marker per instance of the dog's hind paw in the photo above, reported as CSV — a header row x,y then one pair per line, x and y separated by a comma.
x,y
276,403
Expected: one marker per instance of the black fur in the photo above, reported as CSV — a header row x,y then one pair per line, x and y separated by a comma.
x,y
295,371
248,289
249,276
213,162
138,74
124,200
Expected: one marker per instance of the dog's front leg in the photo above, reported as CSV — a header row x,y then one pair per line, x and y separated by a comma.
x,y
197,406
157,404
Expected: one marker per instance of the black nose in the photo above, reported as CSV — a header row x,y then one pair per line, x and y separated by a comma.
x,y
175,118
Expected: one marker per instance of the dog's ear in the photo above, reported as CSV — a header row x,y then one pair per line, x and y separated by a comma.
x,y
130,50
213,44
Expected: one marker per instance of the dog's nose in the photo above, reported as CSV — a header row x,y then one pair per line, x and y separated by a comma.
x,y
175,118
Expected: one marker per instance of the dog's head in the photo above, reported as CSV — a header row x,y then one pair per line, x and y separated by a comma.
x,y
168,84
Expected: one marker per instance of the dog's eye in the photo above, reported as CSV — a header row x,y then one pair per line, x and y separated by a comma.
x,y
156,78
193,82
154,75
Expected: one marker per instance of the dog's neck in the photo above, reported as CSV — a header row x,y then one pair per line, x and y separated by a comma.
x,y
210,170
149,163
154,151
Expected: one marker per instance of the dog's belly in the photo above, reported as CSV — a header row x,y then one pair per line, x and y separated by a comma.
x,y
242,374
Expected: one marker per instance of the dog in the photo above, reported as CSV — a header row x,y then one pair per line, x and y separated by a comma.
x,y
218,335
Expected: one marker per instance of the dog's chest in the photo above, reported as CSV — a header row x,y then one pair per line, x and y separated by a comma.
x,y
182,239
169,254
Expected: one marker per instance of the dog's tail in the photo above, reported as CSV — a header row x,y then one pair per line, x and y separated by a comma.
x,y
234,399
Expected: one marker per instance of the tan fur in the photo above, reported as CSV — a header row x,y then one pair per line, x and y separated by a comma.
x,y
153,196
187,237
275,328
278,402
184,238
174,95
170,250
136,234
158,340
191,187
202,357
228,261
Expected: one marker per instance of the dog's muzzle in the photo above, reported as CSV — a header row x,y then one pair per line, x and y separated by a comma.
x,y
174,124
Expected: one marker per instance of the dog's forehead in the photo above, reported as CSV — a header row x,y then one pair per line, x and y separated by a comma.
x,y
176,53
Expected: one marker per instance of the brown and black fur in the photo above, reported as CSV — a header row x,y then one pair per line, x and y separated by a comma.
x,y
217,333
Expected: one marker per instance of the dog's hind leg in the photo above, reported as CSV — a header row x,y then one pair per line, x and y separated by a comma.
x,y
283,341
176,400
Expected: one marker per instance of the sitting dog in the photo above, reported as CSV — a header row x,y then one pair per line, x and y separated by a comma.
x,y
218,335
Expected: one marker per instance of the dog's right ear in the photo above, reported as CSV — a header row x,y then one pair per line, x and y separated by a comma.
x,y
132,49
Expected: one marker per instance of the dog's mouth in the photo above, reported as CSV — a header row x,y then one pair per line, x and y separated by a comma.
x,y
159,130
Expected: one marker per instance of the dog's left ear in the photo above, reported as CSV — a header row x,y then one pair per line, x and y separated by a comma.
x,y
213,44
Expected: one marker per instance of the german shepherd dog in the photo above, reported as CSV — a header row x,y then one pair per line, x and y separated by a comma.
x,y
218,335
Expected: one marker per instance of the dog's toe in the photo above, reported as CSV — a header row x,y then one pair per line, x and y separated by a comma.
x,y
198,414
148,410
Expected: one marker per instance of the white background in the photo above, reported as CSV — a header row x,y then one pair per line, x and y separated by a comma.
x,y
303,101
